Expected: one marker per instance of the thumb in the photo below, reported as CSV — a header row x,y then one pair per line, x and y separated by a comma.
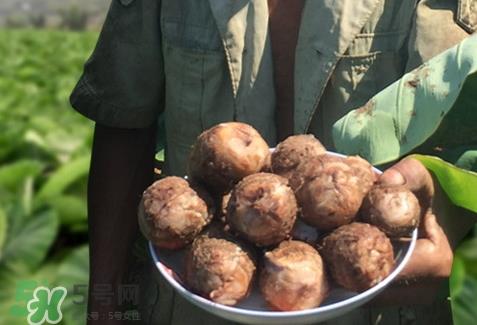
x,y
414,176
432,256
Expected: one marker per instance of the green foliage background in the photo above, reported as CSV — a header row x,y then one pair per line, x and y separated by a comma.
x,y
44,160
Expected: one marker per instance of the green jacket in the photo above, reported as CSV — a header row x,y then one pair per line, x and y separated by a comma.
x,y
203,62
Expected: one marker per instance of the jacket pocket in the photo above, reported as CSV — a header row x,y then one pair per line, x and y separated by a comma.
x,y
467,15
372,62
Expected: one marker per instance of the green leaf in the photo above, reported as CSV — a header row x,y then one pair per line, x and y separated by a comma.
x,y
464,283
467,252
456,280
160,155
16,289
27,247
3,230
13,175
70,209
79,228
463,305
73,274
63,178
406,114
459,184
58,143
27,196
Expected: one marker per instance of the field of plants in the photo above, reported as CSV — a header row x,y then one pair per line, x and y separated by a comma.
x,y
44,160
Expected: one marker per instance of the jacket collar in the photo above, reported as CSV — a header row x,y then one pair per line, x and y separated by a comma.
x,y
330,25
231,19
327,28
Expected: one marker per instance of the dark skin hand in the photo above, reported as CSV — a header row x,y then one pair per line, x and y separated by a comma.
x,y
442,227
121,168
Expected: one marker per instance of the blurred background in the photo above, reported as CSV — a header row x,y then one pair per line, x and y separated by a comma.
x,y
44,161
44,152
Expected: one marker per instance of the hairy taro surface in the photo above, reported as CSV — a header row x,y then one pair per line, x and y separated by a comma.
x,y
293,277
226,153
262,209
393,209
327,192
292,151
171,213
358,256
363,170
219,270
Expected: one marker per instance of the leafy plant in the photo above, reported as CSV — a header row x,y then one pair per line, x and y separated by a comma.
x,y
464,283
44,162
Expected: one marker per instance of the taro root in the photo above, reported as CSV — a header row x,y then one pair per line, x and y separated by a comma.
x,y
224,202
393,209
329,195
205,195
312,168
225,154
365,175
171,213
294,150
219,270
267,166
293,277
358,256
262,209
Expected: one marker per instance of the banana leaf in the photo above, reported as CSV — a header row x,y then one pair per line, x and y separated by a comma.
x,y
460,185
464,283
408,112
466,313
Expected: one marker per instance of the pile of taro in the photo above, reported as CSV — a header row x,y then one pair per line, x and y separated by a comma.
x,y
296,222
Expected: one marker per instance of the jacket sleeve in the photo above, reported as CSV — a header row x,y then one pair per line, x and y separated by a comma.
x,y
122,84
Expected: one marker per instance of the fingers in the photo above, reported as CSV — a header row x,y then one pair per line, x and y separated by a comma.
x,y
431,229
412,174
418,265
432,256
